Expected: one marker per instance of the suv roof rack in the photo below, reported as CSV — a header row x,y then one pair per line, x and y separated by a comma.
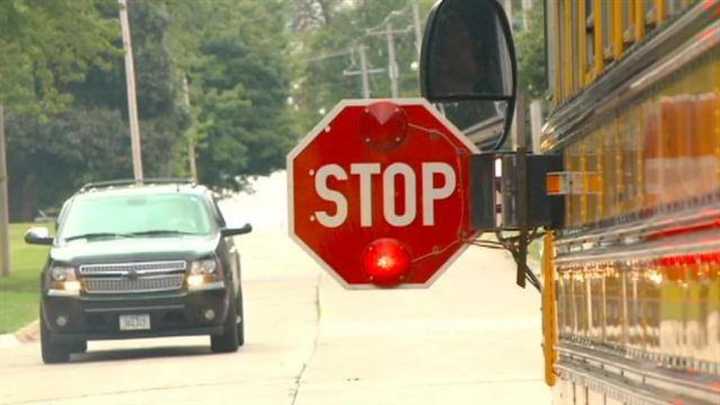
x,y
135,182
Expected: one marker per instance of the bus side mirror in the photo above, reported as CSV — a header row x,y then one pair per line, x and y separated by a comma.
x,y
468,66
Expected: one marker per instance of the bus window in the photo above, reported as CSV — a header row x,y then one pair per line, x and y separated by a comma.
x,y
609,168
614,304
649,301
592,168
652,154
589,27
572,164
597,298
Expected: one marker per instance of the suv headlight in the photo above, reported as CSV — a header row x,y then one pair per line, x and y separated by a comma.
x,y
205,274
61,273
63,281
205,266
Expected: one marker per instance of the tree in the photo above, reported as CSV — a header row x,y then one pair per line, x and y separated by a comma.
x,y
84,136
64,85
530,46
322,53
42,52
51,158
239,87
311,14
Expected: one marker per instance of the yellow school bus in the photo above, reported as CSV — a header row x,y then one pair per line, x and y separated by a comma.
x,y
631,275
633,312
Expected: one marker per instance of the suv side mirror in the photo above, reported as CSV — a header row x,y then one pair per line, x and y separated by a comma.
x,y
38,235
247,228
468,65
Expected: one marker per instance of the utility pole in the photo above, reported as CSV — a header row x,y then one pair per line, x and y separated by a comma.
x,y
527,5
393,70
132,98
4,208
364,68
191,141
392,61
417,26
364,71
536,124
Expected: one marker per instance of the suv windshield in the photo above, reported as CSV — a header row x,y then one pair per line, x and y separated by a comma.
x,y
136,215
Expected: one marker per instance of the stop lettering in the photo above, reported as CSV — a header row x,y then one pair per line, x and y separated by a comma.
x,y
366,171
377,193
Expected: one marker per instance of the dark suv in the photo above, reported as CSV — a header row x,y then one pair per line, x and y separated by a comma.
x,y
139,259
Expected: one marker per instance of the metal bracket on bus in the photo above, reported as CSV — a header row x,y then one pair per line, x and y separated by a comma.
x,y
509,197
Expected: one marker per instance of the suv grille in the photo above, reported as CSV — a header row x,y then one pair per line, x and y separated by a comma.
x,y
133,277
106,285
139,268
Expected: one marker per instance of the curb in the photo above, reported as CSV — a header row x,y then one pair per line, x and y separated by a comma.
x,y
27,334
9,341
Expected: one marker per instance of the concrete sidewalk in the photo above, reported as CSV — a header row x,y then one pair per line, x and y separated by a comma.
x,y
473,338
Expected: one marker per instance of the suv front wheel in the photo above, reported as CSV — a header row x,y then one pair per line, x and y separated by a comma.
x,y
228,341
51,352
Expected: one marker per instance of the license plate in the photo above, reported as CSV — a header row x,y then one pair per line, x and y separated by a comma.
x,y
135,322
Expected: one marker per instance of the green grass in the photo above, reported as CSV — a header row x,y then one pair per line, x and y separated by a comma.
x,y
20,292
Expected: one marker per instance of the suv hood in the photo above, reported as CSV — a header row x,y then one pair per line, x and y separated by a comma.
x,y
134,249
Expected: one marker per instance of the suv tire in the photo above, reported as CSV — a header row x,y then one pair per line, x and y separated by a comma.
x,y
241,324
51,352
227,342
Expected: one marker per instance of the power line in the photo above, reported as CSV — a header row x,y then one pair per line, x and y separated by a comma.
x,y
393,69
364,71
389,32
329,55
392,14
386,29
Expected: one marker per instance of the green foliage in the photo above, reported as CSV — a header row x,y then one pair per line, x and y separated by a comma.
x,y
20,292
530,46
319,82
50,159
45,45
52,151
239,83
63,86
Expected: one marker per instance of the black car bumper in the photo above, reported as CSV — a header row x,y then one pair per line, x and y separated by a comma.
x,y
96,318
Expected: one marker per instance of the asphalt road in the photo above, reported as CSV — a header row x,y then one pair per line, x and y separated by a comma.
x,y
472,338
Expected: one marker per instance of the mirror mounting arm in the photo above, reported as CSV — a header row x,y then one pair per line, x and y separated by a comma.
x,y
227,232
510,194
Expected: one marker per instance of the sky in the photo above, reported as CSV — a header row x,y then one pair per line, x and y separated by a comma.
x,y
265,208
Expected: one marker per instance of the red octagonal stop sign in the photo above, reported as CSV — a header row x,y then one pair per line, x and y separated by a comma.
x,y
378,193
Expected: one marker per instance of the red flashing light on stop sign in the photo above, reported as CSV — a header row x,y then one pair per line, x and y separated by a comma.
x,y
383,125
386,262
